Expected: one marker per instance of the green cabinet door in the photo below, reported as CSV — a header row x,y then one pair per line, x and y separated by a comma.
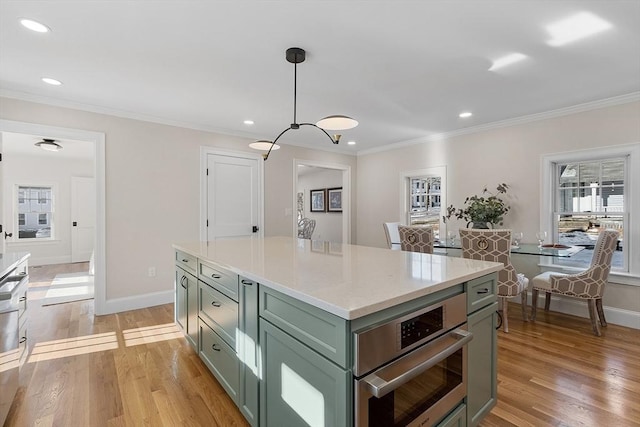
x,y
181,298
457,418
482,352
299,387
192,311
247,344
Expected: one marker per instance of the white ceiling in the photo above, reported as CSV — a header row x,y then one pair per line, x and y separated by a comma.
x,y
403,69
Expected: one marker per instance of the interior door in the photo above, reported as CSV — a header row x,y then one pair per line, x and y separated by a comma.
x,y
3,223
232,196
83,217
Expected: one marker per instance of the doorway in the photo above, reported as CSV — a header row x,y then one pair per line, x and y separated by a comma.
x,y
333,181
93,141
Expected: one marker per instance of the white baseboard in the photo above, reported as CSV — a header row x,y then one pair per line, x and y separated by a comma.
x,y
575,307
118,305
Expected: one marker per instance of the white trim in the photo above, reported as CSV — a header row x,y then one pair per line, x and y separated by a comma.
x,y
632,189
346,193
98,139
204,152
117,305
576,307
587,106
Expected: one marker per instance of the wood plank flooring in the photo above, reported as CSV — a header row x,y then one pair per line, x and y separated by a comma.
x,y
134,369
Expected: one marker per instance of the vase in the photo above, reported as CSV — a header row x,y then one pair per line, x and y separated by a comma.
x,y
481,225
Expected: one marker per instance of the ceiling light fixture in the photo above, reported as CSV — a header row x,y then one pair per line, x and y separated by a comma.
x,y
35,26
264,145
510,59
576,27
465,115
351,143
49,145
248,122
51,81
296,55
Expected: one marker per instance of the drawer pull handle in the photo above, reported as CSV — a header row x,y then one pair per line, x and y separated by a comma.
x,y
214,348
184,278
215,303
482,291
246,282
216,276
21,299
23,340
185,260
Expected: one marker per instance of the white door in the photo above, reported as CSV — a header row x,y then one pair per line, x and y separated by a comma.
x,y
3,223
232,196
83,217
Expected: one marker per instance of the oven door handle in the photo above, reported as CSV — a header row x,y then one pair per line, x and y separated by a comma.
x,y
380,387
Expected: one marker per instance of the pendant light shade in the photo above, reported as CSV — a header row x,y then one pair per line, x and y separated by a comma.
x,y
295,56
337,122
264,145
49,145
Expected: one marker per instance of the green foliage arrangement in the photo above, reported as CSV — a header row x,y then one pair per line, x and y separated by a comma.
x,y
487,208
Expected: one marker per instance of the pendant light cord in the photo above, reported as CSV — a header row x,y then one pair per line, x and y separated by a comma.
x,y
295,90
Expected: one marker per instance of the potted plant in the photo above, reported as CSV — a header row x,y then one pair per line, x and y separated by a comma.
x,y
484,211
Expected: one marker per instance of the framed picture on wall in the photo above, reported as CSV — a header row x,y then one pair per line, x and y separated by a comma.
x,y
318,203
334,195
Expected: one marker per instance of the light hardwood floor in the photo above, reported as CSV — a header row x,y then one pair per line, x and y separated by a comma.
x,y
133,369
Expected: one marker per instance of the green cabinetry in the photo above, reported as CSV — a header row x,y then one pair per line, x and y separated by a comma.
x,y
482,351
248,350
186,306
457,418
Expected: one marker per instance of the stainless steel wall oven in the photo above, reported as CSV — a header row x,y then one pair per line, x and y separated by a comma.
x,y
412,371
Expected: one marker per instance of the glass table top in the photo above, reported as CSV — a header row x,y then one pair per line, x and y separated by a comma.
x,y
524,249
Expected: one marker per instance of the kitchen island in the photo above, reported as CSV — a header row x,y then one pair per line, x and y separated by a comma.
x,y
279,320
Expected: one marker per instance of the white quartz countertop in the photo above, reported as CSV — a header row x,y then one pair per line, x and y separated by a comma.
x,y
9,260
347,280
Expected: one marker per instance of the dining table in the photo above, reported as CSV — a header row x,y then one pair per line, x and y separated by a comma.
x,y
550,250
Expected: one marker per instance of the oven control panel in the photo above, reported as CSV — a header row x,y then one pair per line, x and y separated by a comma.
x,y
419,327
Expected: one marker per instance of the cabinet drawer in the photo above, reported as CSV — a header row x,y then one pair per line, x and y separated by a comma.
x,y
221,360
481,292
323,332
22,340
186,261
457,418
219,312
221,279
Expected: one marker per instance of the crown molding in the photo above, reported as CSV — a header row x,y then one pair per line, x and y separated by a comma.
x,y
579,108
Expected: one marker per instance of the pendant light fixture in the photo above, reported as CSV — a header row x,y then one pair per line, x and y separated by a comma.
x,y
49,145
296,55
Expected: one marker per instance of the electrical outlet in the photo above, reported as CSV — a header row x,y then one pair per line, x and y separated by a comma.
x,y
152,272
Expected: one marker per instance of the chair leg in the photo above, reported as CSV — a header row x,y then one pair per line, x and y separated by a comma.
x,y
547,301
594,319
505,306
534,304
603,321
524,306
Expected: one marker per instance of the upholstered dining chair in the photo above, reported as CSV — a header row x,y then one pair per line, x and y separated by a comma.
x,y
306,227
392,234
588,285
416,238
495,245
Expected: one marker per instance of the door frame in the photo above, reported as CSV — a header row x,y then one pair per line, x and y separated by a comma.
x,y
204,153
98,139
346,193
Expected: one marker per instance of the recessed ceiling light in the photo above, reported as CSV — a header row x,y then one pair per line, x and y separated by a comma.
x,y
465,115
35,26
351,143
576,27
512,58
51,81
248,122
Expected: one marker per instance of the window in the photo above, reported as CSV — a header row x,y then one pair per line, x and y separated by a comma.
x,y
35,212
423,198
589,191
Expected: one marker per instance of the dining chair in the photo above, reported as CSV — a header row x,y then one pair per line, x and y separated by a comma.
x,y
588,285
495,245
415,238
392,234
306,227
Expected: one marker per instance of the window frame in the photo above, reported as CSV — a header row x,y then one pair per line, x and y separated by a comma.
x,y
631,237
16,200
405,193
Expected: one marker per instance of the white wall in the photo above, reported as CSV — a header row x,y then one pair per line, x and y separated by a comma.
x,y
509,154
328,224
36,170
152,191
